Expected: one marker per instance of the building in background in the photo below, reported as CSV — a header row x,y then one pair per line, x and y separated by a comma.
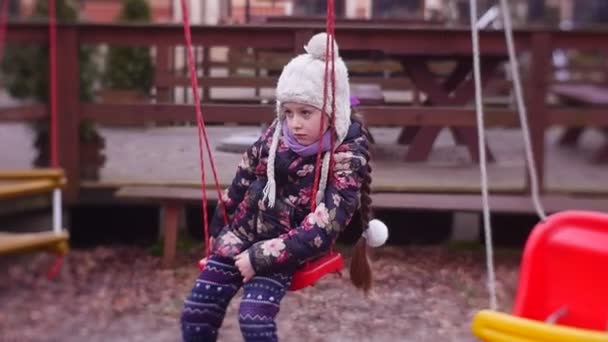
x,y
243,11
101,10
108,10
211,12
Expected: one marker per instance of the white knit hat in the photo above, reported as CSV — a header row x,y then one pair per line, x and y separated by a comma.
x,y
302,81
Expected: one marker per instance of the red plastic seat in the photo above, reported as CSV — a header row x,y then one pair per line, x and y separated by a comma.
x,y
310,273
315,270
565,269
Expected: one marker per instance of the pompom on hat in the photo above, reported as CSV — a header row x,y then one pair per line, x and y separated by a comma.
x,y
302,81
376,233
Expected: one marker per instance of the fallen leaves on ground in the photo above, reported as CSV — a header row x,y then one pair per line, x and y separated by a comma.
x,y
123,294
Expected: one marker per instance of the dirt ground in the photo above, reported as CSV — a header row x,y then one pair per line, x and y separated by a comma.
x,y
121,293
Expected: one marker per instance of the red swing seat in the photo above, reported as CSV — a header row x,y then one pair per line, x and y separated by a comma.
x,y
311,272
563,271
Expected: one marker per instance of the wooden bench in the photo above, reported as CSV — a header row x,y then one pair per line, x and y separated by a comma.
x,y
172,200
583,95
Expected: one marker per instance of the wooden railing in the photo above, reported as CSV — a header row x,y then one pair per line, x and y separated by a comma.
x,y
397,43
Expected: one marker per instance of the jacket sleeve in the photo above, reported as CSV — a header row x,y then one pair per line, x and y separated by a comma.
x,y
234,195
319,229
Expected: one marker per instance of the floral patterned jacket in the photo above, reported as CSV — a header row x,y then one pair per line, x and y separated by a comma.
x,y
289,233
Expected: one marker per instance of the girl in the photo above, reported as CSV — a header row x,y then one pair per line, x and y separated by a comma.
x,y
272,229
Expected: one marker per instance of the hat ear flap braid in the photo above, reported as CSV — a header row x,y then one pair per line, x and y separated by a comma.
x,y
270,189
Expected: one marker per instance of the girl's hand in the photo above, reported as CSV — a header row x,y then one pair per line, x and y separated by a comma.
x,y
243,263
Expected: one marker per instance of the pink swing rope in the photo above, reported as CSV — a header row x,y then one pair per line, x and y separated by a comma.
x,y
202,132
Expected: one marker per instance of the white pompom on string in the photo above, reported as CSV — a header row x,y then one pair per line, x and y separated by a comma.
x,y
376,233
316,46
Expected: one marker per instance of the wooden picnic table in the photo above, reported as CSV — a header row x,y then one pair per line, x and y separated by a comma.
x,y
456,89
583,95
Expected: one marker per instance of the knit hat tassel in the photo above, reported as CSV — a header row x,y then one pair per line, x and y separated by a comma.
x,y
270,190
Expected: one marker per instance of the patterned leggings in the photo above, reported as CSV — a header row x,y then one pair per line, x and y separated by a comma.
x,y
205,307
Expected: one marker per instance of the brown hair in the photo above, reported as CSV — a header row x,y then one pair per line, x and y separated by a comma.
x,y
360,268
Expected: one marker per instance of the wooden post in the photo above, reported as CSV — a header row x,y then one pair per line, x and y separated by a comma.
x,y
537,106
256,68
68,108
206,73
161,72
171,215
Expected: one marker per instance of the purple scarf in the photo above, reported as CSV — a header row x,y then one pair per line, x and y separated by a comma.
x,y
306,150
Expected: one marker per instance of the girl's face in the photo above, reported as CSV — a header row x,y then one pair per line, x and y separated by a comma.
x,y
303,122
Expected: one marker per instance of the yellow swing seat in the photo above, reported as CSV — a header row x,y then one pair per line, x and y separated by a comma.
x,y
492,326
11,243
22,183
